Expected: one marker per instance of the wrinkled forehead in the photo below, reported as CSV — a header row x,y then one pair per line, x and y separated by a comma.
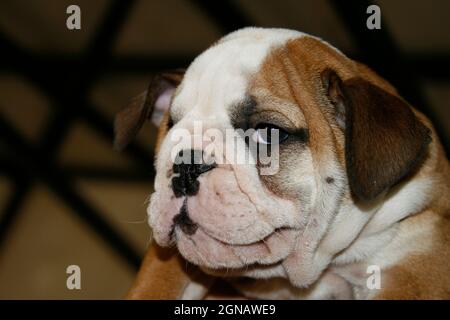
x,y
219,77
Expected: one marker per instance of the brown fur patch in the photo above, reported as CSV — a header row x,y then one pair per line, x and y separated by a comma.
x,y
292,72
421,276
384,140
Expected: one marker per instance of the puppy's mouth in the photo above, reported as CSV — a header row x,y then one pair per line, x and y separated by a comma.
x,y
184,222
202,248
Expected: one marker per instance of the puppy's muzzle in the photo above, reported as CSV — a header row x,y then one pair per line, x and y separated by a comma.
x,y
189,165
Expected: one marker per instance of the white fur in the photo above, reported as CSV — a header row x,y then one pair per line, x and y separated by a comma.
x,y
384,241
219,77
194,291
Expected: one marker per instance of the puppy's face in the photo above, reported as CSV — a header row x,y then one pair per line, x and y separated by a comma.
x,y
239,218
283,91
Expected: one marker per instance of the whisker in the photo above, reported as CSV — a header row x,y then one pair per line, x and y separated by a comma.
x,y
134,221
147,200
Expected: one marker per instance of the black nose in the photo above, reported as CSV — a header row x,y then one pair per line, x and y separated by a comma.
x,y
189,166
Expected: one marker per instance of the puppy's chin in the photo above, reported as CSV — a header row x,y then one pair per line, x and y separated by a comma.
x,y
255,271
215,255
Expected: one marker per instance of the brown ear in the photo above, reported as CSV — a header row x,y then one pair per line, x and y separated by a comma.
x,y
384,140
152,104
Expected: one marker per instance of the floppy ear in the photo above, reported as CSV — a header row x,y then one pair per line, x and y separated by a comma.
x,y
384,140
152,104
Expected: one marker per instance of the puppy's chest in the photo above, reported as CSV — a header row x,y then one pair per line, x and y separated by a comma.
x,y
329,286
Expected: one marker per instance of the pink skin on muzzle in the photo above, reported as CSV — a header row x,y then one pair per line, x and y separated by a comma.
x,y
235,227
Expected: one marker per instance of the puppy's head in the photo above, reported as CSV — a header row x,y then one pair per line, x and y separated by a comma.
x,y
332,128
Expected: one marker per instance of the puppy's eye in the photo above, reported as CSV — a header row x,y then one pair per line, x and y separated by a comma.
x,y
266,133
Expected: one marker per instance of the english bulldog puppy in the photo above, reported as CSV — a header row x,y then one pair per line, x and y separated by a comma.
x,y
361,181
